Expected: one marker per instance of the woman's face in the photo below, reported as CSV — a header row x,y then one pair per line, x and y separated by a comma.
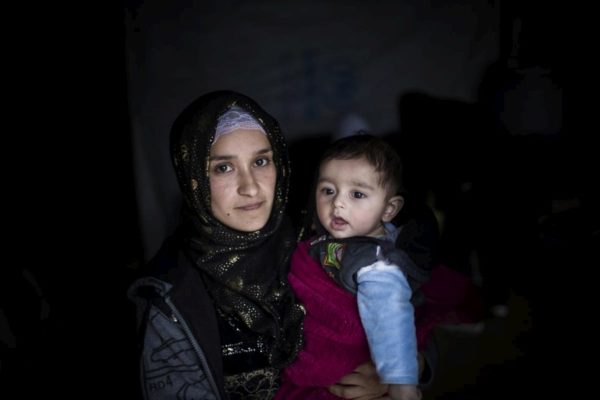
x,y
242,179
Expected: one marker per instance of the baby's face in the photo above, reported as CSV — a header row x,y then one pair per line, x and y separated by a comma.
x,y
350,200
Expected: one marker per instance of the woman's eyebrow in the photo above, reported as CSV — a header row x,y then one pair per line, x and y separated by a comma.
x,y
220,158
230,157
265,150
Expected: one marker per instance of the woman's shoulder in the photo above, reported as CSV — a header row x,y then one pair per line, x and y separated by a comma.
x,y
168,272
164,265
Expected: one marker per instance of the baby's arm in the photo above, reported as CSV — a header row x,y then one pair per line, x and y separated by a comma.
x,y
387,315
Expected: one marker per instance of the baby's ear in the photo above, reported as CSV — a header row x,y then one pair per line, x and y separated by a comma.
x,y
393,206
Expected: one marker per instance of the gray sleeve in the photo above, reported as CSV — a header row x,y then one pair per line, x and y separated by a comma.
x,y
170,368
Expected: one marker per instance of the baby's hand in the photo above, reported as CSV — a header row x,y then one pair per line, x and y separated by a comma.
x,y
404,392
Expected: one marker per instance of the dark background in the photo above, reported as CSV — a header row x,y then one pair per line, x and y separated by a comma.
x,y
73,212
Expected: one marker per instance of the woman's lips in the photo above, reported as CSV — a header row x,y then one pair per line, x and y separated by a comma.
x,y
250,207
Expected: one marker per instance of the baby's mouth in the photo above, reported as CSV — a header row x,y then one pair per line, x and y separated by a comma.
x,y
337,222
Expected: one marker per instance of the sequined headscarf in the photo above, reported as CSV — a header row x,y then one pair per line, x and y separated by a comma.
x,y
245,272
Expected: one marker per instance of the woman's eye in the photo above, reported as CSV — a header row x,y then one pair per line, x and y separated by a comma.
x,y
222,168
262,162
358,195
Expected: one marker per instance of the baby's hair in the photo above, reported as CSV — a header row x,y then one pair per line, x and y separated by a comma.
x,y
379,153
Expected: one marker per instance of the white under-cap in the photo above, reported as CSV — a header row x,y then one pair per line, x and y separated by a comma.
x,y
235,119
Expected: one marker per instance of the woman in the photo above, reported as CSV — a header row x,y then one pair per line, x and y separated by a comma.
x,y
217,318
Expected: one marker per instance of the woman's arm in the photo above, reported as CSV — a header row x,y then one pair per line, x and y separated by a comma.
x,y
363,383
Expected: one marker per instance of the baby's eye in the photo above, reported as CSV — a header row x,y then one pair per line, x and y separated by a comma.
x,y
358,195
222,168
326,191
262,162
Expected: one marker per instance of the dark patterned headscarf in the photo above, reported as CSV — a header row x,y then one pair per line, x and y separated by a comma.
x,y
246,272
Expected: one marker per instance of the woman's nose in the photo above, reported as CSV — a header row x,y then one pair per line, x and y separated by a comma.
x,y
247,185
